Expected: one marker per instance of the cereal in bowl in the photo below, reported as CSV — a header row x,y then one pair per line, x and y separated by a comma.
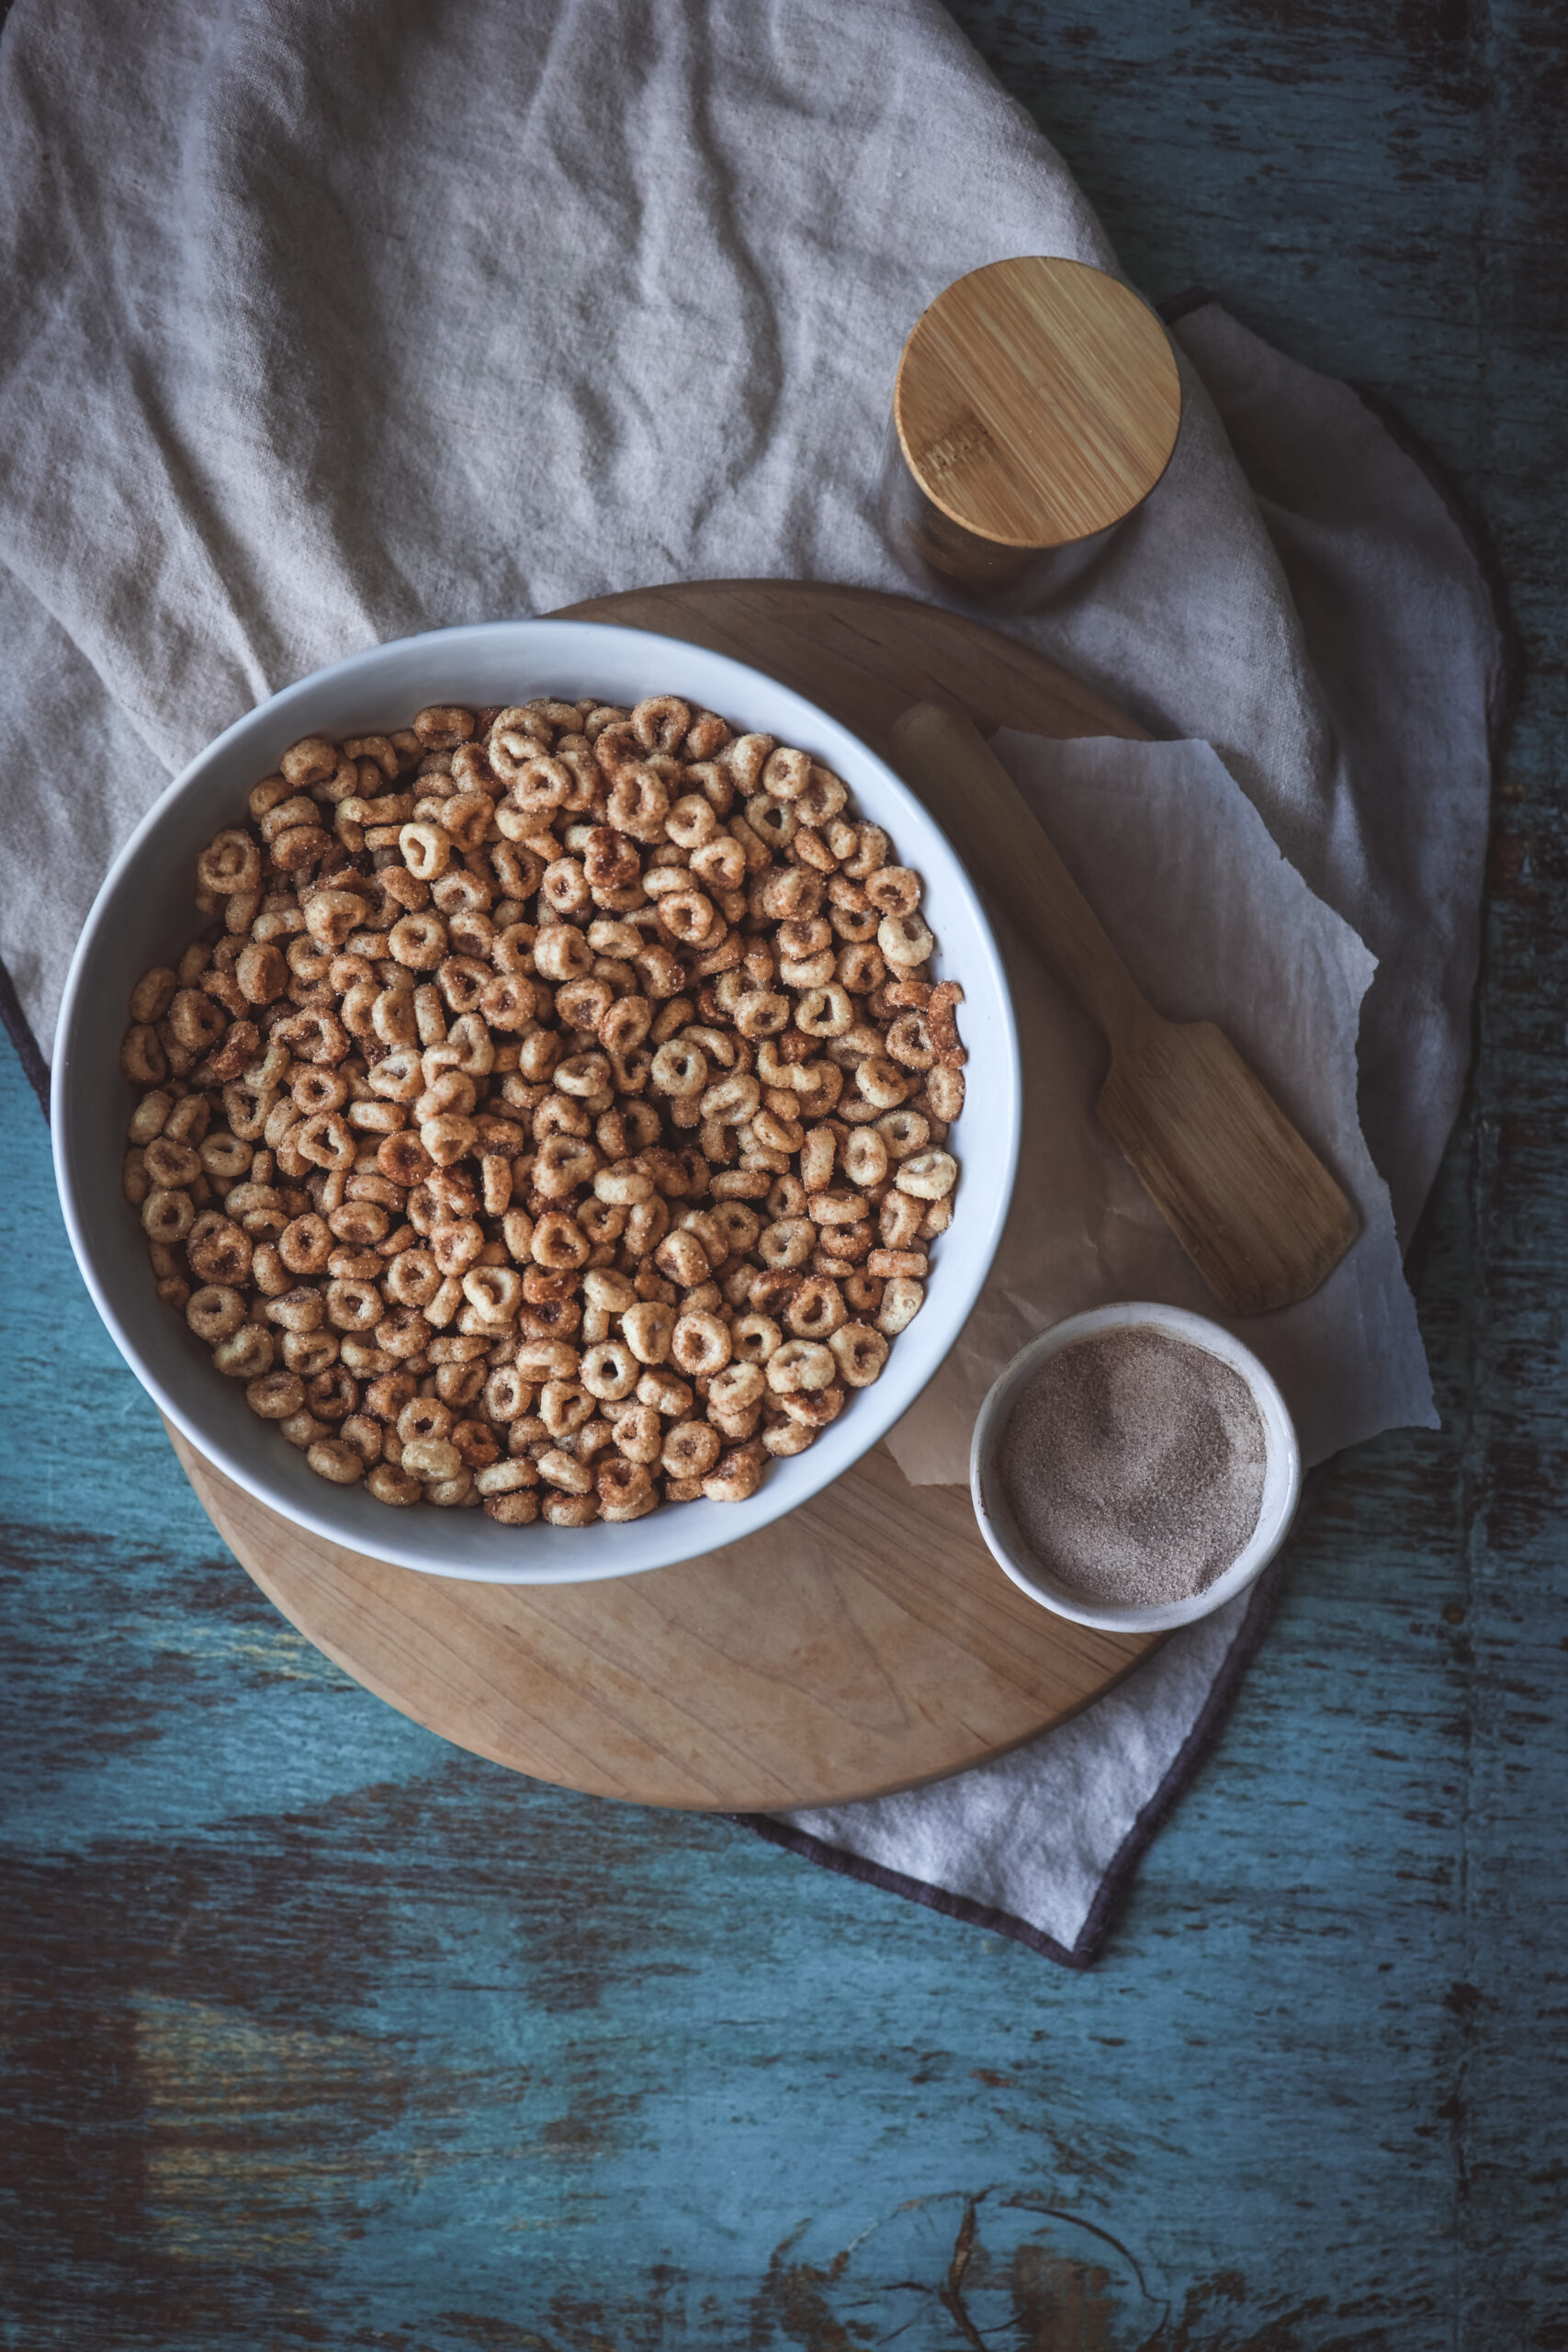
x,y
554,1114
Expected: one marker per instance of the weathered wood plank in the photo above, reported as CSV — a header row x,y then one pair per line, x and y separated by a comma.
x,y
318,2033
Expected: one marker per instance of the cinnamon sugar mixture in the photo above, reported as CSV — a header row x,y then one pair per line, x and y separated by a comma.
x,y
1133,1466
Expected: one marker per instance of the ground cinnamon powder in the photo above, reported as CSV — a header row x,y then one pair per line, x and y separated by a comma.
x,y
1133,1463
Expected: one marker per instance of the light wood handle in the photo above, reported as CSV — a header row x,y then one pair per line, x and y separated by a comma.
x,y
953,770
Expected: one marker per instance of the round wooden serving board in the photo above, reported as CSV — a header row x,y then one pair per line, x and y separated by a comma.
x,y
893,1650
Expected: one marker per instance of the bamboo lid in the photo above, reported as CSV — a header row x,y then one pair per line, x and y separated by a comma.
x,y
1037,401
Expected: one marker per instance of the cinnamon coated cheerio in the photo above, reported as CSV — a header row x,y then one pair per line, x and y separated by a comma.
x,y
554,1116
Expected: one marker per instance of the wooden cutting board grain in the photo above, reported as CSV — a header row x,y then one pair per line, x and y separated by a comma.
x,y
879,1646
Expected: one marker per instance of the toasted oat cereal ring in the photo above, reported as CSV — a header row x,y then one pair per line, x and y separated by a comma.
x,y
904,940
679,1069
582,1004
331,1459
610,1371
669,1395
331,915
403,1160
389,1483
508,1002
245,1354
690,1449
565,887
198,1020
904,1133
326,1140
660,722
169,1164
561,953
299,847
755,1337
432,1458
448,1137
360,1222
580,1075
761,1013
699,1347
815,1408
625,1489
816,1310
167,1215
818,1153
610,859
739,1225
332,1394
880,1081
310,1353
865,1158
153,993
300,1309
261,971
392,1015
720,863
776,824
465,819
563,1163
944,1090
731,1101
305,1244
424,1417
824,1013
799,1364
682,1257
215,1312
893,890
311,1090
639,1434
547,1360
218,1251
230,861
570,1510
859,1352
822,799
494,1292
902,1299
639,802
564,1406
455,1242
462,980
788,1242
786,1437
512,1509
648,1328
559,1243
403,1331
313,1034
928,1175
354,1305
275,1395
363,1436
689,918
418,942
909,1042
735,1477
564,1472
506,1394
691,821
441,727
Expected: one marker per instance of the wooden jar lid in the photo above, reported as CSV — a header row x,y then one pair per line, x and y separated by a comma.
x,y
1037,401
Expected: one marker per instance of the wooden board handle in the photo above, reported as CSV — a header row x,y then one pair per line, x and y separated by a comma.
x,y
948,763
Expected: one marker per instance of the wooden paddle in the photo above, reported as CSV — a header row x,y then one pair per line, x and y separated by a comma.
x,y
1257,1212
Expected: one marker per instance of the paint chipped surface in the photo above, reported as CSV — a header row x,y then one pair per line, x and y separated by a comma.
x,y
315,2032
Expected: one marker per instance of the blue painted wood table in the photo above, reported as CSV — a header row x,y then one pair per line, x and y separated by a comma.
x,y
317,2031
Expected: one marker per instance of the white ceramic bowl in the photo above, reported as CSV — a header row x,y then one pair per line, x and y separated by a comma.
x,y
1281,1471
144,915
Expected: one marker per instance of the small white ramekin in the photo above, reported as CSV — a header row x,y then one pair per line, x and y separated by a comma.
x,y
1281,1471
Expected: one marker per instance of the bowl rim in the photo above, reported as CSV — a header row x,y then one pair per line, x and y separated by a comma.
x,y
529,641
1282,1470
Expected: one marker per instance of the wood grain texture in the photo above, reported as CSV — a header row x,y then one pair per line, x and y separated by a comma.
x,y
1037,401
319,2032
1251,1204
870,1645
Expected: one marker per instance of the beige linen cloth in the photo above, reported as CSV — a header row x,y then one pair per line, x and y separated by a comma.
x,y
324,324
